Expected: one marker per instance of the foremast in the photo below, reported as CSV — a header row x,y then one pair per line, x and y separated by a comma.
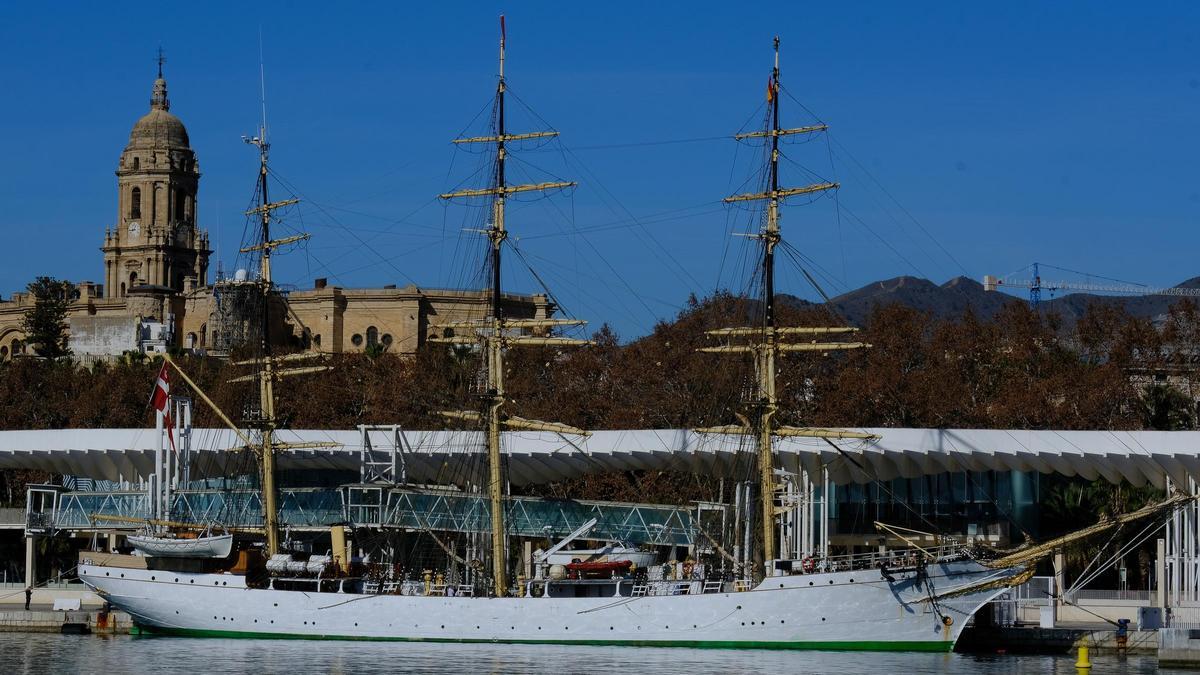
x,y
766,341
497,332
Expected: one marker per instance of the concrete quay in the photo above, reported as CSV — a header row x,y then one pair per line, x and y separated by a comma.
x,y
41,617
1179,648
1100,638
70,621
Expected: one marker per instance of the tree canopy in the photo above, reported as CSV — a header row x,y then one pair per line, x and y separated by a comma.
x,y
45,322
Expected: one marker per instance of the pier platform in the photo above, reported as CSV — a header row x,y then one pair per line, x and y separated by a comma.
x,y
1098,637
44,620
86,613
1179,648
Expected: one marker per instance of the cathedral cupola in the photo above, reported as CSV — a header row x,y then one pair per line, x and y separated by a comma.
x,y
156,241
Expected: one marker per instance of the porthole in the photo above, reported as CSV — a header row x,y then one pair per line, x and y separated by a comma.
x,y
851,581
831,582
106,574
176,579
781,585
256,621
122,575
272,620
356,623
224,583
151,577
743,623
191,581
810,583
822,618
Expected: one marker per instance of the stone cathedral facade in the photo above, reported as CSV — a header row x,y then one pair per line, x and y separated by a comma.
x,y
156,293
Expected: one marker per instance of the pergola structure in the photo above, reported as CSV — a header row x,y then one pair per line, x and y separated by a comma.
x,y
391,455
1139,457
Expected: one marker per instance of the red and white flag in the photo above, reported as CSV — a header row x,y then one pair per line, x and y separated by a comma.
x,y
161,400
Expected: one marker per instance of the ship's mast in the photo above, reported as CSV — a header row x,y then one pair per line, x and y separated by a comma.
x,y
764,341
268,373
492,334
266,381
495,355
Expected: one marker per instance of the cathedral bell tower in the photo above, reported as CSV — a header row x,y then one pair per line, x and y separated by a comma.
x,y
156,241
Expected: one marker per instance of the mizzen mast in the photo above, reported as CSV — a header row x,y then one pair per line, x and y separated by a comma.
x,y
497,332
766,341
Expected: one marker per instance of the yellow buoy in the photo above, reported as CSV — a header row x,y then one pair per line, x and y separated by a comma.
x,y
1082,661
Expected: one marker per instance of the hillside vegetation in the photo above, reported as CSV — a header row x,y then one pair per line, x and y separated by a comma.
x,y
1017,369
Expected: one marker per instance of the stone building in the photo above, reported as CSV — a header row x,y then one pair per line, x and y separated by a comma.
x,y
156,241
156,293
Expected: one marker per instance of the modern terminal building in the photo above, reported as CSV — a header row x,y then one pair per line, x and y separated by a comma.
x,y
975,485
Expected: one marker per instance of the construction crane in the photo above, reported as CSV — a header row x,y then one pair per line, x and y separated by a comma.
x,y
1037,284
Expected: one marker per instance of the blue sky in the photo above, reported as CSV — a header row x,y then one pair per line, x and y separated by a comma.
x,y
969,138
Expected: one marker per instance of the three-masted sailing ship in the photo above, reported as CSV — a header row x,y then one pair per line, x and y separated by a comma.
x,y
918,600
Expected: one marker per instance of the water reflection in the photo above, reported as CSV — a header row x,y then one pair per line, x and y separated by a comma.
x,y
43,653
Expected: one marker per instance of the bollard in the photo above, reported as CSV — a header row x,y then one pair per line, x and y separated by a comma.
x,y
1082,661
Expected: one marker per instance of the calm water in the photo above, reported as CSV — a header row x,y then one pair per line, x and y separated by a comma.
x,y
42,653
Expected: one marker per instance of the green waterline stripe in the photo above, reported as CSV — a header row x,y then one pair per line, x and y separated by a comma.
x,y
862,645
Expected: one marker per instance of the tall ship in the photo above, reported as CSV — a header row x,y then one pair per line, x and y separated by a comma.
x,y
187,578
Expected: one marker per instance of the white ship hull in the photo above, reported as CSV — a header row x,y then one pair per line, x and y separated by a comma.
x,y
840,610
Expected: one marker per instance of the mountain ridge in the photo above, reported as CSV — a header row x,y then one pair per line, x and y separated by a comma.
x,y
950,300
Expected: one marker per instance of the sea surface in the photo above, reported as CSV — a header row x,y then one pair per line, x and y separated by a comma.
x,y
49,653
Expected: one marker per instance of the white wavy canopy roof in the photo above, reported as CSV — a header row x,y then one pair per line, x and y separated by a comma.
x,y
1139,457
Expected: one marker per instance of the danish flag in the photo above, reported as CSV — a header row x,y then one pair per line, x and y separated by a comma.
x,y
161,400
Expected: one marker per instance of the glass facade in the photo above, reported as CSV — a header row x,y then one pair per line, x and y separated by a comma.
x,y
978,503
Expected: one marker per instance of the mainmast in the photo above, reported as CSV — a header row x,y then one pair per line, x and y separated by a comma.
x,y
497,332
266,422
764,341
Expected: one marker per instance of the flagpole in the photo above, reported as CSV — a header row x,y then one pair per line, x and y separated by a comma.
x,y
158,462
168,479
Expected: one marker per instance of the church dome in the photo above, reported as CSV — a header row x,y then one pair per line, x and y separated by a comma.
x,y
159,128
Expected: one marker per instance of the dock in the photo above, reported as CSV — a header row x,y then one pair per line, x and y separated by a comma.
x,y
1098,638
78,611
76,622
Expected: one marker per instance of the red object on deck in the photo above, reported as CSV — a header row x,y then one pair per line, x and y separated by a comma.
x,y
595,569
